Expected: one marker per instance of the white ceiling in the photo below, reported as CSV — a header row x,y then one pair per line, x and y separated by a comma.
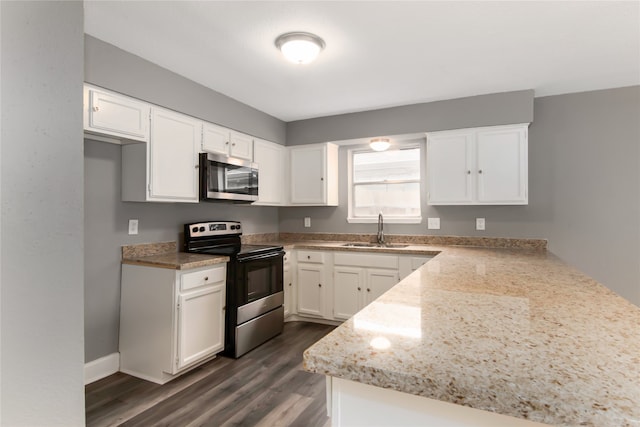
x,y
379,54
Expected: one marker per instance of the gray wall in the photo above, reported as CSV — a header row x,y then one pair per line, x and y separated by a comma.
x,y
113,68
41,222
106,217
483,110
584,183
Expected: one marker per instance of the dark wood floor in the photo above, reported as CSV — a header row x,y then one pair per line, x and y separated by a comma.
x,y
266,387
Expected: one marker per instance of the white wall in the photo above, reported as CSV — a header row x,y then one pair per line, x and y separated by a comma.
x,y
41,242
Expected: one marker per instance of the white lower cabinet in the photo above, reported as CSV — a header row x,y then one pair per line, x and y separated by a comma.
x,y
312,284
348,297
356,283
335,285
170,320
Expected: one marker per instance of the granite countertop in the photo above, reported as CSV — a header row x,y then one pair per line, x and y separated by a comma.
x,y
511,331
166,255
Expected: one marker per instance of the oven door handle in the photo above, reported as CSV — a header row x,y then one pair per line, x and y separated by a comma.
x,y
261,257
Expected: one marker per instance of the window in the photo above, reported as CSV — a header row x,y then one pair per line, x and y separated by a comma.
x,y
387,182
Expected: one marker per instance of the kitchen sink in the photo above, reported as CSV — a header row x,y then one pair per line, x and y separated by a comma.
x,y
374,245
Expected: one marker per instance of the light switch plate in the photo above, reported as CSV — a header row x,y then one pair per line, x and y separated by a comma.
x,y
433,223
307,221
480,224
133,226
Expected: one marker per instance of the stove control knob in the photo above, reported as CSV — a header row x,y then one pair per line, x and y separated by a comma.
x,y
201,228
233,227
194,229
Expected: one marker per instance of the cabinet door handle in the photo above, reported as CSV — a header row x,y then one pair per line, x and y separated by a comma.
x,y
96,108
480,171
319,285
468,172
206,278
226,143
308,256
289,284
322,179
359,288
368,290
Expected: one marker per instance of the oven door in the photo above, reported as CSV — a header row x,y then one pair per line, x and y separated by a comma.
x,y
258,277
226,178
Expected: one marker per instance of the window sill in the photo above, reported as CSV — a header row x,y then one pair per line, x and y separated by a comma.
x,y
387,220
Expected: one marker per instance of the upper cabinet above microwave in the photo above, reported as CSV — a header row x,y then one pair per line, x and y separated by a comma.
x,y
219,140
479,166
112,114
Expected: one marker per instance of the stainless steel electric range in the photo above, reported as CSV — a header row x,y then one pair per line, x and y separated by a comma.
x,y
255,297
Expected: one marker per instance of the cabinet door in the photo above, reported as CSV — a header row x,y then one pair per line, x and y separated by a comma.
x,y
200,324
308,166
215,139
117,115
173,156
241,146
378,282
450,171
288,291
310,292
270,159
348,284
502,165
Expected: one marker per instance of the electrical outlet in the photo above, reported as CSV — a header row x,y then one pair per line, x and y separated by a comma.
x,y
307,222
480,223
133,226
433,223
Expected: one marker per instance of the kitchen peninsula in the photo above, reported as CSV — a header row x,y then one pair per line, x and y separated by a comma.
x,y
509,331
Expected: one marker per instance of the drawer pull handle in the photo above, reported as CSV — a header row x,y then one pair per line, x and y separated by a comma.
x,y
308,256
359,288
368,290
319,285
206,278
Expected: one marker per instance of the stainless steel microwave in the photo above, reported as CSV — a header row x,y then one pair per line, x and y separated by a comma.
x,y
227,179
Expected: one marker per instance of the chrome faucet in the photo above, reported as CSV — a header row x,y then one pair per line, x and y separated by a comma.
x,y
380,229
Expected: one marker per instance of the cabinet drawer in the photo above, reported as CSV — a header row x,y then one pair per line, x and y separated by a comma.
x,y
203,277
310,256
365,260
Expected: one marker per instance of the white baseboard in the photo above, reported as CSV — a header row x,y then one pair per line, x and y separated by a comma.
x,y
100,368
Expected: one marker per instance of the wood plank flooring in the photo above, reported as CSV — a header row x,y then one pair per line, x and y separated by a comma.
x,y
265,387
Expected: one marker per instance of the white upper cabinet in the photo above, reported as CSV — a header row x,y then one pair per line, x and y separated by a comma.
x,y
220,140
109,113
314,175
270,158
478,166
166,168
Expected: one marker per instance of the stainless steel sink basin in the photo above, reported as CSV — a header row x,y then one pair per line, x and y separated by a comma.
x,y
374,245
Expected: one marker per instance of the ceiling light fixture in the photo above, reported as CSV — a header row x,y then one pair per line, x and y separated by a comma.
x,y
379,144
299,47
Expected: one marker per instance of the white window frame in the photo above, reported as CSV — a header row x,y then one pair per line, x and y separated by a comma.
x,y
387,219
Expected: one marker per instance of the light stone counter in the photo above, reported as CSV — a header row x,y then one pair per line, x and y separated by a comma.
x,y
509,331
165,255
